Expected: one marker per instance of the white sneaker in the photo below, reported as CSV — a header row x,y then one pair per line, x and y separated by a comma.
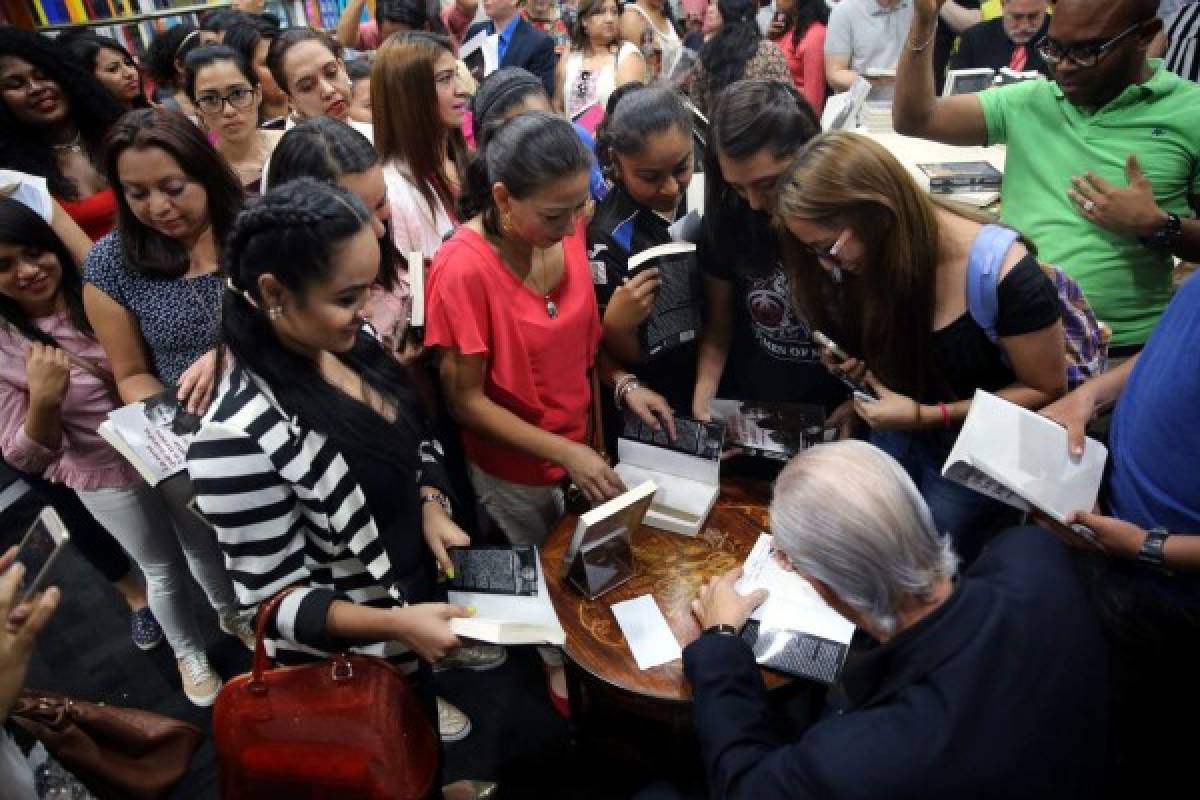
x,y
200,683
239,625
453,724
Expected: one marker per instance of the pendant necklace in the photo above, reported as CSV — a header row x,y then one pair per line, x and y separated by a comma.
x,y
551,306
73,146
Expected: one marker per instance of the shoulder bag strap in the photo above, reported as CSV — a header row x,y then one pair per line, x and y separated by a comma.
x,y
983,275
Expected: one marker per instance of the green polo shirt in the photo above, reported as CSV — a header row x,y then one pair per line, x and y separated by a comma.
x,y
1050,141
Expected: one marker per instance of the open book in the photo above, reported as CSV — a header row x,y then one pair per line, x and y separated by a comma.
x,y
687,471
676,317
771,430
794,630
1020,458
152,434
504,617
599,556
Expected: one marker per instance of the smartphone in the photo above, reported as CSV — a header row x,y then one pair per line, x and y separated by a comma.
x,y
861,390
39,550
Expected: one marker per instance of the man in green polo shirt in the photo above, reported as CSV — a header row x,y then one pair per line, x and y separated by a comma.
x,y
1103,164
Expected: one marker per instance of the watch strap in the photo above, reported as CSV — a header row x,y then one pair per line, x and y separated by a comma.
x,y
1153,547
722,629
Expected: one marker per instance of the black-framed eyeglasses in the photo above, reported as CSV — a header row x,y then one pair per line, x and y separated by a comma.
x,y
826,255
239,99
1084,55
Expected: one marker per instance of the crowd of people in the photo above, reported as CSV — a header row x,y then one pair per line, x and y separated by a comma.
x,y
236,215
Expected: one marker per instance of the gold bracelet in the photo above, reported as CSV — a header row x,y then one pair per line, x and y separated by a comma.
x,y
928,41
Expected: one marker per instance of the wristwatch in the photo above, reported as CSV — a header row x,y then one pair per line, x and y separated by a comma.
x,y
1153,546
722,629
1165,237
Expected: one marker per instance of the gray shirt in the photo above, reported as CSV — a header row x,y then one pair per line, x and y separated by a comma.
x,y
869,34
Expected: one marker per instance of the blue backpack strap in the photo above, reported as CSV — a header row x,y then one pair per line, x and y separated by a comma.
x,y
983,275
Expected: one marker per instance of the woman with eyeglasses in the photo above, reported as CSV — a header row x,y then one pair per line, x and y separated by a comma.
x,y
881,266
418,109
224,90
164,64
53,118
598,60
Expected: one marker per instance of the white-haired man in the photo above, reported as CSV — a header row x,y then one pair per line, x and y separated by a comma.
x,y
992,684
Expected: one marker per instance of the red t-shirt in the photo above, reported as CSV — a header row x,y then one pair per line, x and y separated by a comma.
x,y
537,367
96,214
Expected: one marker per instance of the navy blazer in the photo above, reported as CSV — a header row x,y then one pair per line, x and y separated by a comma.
x,y
529,48
1002,692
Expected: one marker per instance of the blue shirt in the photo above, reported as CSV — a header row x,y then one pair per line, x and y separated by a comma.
x,y
505,35
1155,442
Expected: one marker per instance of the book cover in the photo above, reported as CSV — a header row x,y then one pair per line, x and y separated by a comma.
x,y
495,570
510,619
1020,458
771,430
599,556
794,630
951,176
589,117
675,320
152,434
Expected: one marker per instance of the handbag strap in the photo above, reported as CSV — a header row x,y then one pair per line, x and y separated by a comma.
x,y
597,421
266,613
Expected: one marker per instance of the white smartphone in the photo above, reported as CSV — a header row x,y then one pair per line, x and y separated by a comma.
x,y
38,551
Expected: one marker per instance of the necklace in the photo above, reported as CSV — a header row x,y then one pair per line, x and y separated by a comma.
x,y
73,146
551,306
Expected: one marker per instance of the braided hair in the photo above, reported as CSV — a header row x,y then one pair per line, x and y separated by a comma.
x,y
293,233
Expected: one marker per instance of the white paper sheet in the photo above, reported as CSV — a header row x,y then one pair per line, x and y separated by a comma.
x,y
647,632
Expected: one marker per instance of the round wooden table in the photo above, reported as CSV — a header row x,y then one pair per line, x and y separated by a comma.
x,y
670,567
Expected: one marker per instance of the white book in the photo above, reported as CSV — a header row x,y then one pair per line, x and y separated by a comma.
x,y
794,630
152,435
1020,458
416,287
510,619
687,471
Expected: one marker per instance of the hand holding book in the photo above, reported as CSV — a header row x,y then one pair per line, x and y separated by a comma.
x,y
632,301
720,603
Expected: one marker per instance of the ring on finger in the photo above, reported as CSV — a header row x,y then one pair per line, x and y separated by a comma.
x,y
1089,206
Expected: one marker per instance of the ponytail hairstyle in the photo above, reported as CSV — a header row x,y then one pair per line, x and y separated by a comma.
x,y
499,93
325,149
148,252
294,233
526,153
21,226
634,113
726,54
749,117
405,112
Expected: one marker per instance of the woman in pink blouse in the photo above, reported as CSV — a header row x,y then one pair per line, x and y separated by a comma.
x,y
56,387
799,29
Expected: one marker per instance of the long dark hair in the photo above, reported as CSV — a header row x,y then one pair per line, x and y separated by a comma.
x,y
525,153
148,252
167,50
726,54
634,113
85,47
408,121
211,54
292,233
19,225
93,110
803,15
749,117
325,149
499,93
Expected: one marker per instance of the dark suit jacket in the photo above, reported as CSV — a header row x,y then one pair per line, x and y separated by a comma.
x,y
1000,693
529,48
987,45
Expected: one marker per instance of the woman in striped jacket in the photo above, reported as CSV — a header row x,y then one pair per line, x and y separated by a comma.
x,y
313,464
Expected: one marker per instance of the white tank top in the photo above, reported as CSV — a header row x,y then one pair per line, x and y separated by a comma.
x,y
655,41
581,89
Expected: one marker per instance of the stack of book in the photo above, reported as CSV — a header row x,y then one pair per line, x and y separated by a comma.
x,y
952,177
876,117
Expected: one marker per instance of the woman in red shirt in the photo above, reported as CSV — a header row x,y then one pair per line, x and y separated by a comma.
x,y
512,308
799,29
53,118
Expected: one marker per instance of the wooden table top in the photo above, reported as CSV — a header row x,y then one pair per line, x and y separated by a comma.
x,y
669,566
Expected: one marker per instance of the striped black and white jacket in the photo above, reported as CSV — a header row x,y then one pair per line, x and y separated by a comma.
x,y
287,512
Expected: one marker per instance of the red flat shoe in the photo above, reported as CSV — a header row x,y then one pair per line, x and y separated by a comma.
x,y
562,703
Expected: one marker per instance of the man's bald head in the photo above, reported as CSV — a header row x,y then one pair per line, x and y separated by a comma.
x,y
1121,12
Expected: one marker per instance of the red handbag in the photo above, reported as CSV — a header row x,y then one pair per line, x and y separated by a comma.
x,y
346,728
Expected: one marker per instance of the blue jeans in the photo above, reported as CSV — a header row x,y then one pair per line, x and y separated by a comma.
x,y
958,512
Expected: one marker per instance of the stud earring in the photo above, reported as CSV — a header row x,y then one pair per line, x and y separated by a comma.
x,y
506,225
275,312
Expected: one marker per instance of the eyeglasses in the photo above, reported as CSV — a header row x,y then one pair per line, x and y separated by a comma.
x,y
1084,55
239,100
829,256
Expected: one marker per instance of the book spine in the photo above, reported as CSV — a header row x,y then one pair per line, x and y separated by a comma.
x,y
972,184
40,12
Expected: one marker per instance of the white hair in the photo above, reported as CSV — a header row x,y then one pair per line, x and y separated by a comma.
x,y
848,515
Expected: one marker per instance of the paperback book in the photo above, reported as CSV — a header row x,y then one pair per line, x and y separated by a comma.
x,y
599,556
152,434
947,177
771,430
675,320
507,588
